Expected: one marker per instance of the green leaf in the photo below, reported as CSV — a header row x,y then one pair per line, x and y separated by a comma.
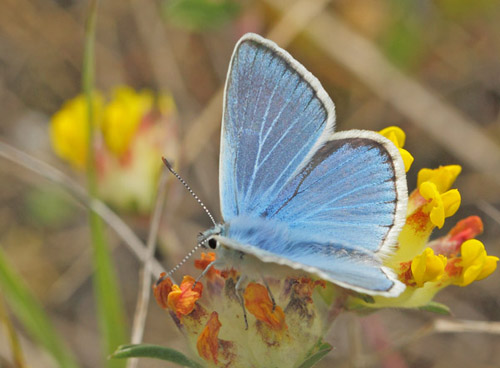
x,y
30,313
197,15
436,307
111,314
156,352
319,353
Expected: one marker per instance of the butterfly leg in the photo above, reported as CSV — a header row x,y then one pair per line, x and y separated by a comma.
x,y
210,265
239,288
269,291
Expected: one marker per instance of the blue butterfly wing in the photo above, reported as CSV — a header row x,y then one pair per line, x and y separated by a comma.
x,y
352,191
272,241
279,162
275,114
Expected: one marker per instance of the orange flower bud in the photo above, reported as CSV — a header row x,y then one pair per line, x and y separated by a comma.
x,y
208,341
182,299
161,290
258,303
206,259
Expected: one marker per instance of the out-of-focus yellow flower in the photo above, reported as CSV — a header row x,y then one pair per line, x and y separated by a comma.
x,y
133,130
122,117
475,264
428,267
397,136
69,129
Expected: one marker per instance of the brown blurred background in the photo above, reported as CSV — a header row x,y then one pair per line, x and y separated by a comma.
x,y
449,50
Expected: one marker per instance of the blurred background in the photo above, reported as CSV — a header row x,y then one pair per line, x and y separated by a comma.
x,y
431,67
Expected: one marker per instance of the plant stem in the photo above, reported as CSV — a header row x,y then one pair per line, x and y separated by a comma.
x,y
110,309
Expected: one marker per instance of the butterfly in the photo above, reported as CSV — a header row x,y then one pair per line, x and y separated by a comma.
x,y
292,191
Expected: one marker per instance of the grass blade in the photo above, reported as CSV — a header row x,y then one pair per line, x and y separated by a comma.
x,y
110,308
31,314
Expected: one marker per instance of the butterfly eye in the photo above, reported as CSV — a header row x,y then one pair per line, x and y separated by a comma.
x,y
212,243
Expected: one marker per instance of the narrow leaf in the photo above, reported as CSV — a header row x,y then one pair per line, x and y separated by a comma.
x,y
315,357
31,314
156,352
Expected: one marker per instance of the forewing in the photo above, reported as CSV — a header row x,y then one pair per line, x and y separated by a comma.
x,y
276,114
352,192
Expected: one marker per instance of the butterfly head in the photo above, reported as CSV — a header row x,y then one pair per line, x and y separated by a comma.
x,y
209,239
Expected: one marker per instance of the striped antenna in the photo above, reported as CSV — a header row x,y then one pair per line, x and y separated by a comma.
x,y
171,169
181,262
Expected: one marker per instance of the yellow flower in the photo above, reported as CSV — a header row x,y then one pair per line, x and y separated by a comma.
x,y
443,177
440,205
428,267
69,131
122,117
476,264
397,136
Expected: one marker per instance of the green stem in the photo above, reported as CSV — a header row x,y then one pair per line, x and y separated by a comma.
x,y
110,309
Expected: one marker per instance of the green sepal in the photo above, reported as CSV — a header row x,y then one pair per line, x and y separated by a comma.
x,y
436,307
318,353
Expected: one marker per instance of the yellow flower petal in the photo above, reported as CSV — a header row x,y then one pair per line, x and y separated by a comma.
x,y
451,202
440,206
490,265
475,262
407,158
443,177
395,134
123,116
69,130
428,267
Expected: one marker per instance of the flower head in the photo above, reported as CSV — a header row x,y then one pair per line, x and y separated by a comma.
x,y
133,129
286,319
424,266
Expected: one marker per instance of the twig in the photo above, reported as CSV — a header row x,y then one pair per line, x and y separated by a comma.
x,y
489,210
461,326
145,272
158,49
112,219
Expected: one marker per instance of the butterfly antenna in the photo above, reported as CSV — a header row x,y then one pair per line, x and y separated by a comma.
x,y
180,263
171,169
